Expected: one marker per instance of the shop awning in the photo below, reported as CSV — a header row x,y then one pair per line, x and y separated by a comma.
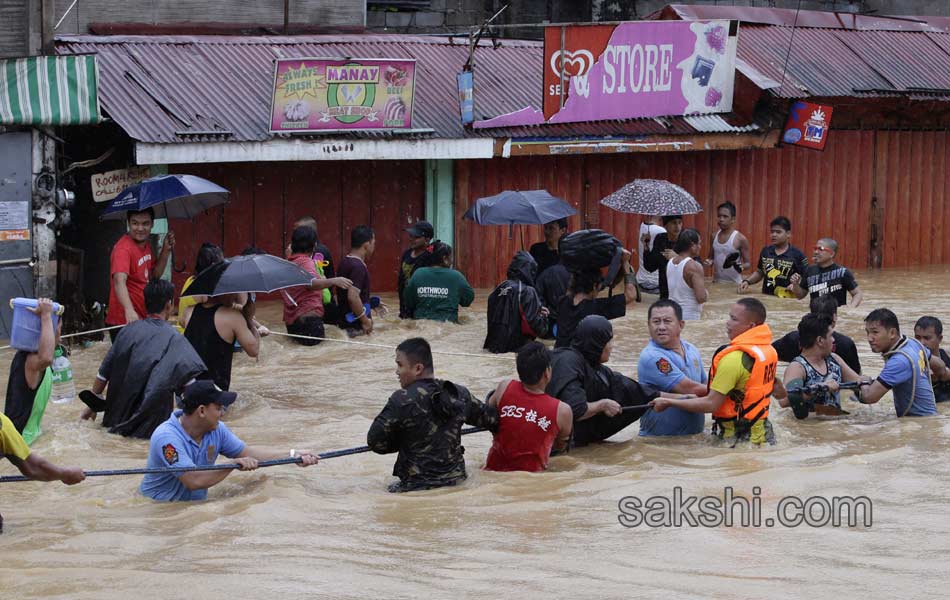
x,y
49,90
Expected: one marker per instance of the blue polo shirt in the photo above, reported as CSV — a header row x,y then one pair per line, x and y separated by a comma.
x,y
910,362
171,446
662,369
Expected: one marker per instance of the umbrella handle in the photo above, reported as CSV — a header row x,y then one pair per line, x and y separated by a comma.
x,y
175,267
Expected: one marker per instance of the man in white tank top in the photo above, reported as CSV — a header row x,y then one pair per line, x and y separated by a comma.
x,y
684,275
729,242
648,282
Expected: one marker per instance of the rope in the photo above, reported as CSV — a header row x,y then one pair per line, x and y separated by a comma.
x,y
390,347
69,335
339,341
221,467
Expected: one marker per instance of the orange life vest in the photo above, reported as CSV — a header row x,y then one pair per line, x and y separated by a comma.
x,y
757,343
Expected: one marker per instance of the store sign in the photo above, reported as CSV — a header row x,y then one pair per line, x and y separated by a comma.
x,y
344,94
808,125
632,70
640,69
106,186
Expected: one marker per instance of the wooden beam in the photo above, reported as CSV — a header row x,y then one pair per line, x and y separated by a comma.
x,y
505,147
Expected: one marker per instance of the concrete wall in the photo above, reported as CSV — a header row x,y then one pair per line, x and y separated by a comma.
x,y
445,16
229,12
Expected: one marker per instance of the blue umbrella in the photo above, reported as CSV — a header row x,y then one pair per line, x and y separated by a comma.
x,y
535,207
170,196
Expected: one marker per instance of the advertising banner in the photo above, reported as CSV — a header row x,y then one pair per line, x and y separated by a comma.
x,y
342,94
808,125
632,70
638,69
466,83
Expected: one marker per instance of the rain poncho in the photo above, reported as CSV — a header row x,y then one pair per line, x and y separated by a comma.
x,y
148,362
514,308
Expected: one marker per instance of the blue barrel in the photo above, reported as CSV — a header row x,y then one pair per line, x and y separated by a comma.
x,y
25,334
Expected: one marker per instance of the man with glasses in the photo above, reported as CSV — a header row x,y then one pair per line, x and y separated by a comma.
x,y
827,277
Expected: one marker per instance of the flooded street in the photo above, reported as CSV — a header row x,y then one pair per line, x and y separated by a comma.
x,y
333,531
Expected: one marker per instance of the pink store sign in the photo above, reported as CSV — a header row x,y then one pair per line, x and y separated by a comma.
x,y
325,94
632,70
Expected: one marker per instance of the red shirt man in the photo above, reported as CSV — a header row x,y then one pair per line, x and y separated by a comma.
x,y
530,422
131,266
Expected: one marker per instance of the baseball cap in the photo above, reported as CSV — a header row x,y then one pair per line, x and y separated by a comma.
x,y
421,229
204,391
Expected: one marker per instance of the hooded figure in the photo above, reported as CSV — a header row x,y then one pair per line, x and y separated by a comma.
x,y
149,361
579,379
514,308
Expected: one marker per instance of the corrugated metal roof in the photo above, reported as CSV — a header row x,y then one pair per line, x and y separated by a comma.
x,y
830,62
716,124
168,89
786,17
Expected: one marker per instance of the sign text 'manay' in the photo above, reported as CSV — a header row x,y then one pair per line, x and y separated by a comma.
x,y
349,73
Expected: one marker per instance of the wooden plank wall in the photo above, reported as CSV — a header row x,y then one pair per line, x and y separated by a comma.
x,y
824,194
266,199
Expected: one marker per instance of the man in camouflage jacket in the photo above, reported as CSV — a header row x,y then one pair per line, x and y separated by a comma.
x,y
423,423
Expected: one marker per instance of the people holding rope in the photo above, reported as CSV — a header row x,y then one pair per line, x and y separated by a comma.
x,y
195,436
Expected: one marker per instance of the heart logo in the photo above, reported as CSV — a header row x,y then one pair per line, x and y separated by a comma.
x,y
575,63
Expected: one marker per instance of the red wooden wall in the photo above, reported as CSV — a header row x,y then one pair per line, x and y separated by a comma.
x,y
266,199
825,194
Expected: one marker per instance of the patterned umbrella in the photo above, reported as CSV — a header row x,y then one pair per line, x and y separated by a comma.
x,y
652,197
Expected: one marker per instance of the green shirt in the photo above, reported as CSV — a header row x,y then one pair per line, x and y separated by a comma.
x,y
437,292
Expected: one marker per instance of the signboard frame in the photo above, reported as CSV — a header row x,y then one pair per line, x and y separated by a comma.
x,y
336,59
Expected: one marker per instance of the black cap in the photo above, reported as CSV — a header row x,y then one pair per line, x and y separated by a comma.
x,y
204,391
421,229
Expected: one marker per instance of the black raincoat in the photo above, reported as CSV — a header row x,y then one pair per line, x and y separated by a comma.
x,y
146,365
514,308
578,378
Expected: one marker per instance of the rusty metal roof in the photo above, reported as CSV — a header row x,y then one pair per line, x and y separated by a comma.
x,y
828,54
835,62
786,17
170,89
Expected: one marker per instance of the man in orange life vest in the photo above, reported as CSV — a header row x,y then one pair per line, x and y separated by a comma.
x,y
530,422
741,380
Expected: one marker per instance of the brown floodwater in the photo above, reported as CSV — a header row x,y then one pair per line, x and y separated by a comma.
x,y
333,531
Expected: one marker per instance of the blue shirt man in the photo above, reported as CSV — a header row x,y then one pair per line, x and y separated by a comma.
x,y
907,374
670,364
194,437
906,367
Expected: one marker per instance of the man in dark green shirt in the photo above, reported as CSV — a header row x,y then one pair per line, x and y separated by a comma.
x,y
436,292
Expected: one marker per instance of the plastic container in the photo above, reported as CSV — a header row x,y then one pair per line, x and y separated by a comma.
x,y
367,308
64,388
25,334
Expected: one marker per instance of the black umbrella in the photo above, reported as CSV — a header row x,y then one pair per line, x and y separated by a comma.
x,y
652,197
252,273
535,207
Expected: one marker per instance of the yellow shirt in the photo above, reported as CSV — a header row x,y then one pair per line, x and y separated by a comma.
x,y
732,374
185,301
12,443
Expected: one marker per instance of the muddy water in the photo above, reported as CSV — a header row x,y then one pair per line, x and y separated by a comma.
x,y
333,531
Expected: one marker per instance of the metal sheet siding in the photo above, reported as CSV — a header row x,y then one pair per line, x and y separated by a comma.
x,y
911,185
267,198
825,194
